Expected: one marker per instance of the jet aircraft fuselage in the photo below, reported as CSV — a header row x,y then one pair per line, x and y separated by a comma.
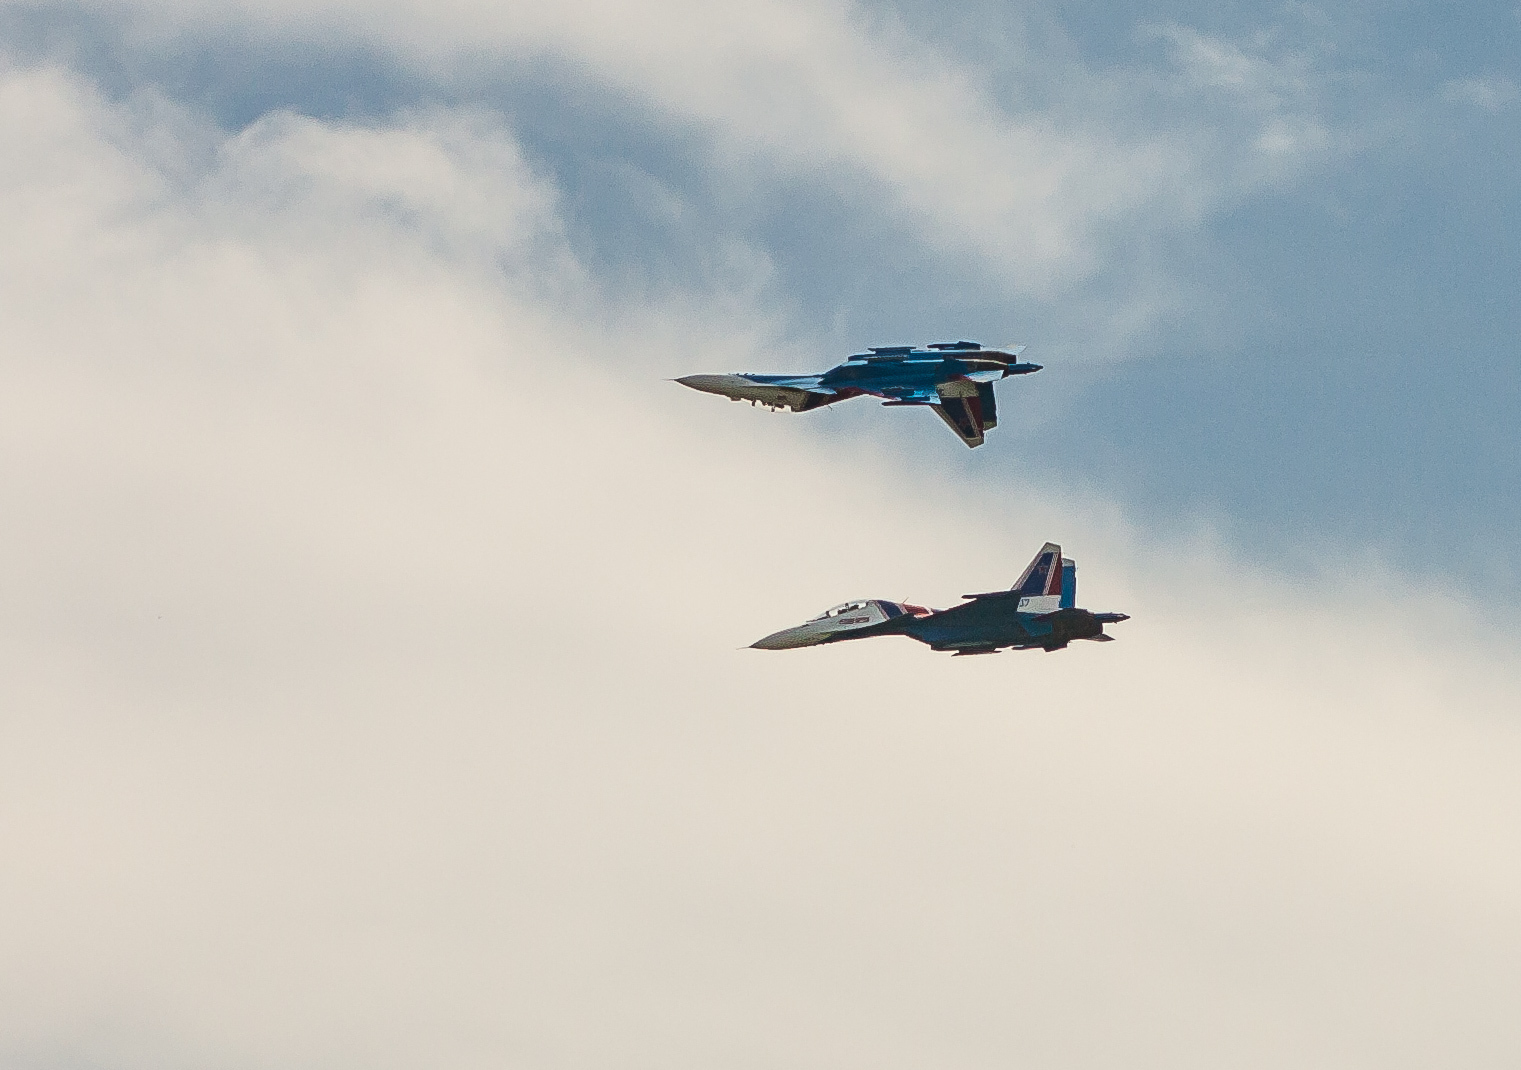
x,y
955,379
1037,612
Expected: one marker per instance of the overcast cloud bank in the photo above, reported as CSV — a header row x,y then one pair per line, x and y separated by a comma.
x,y
1042,168
372,695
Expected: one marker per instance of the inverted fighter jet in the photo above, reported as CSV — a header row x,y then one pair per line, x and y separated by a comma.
x,y
953,378
1038,611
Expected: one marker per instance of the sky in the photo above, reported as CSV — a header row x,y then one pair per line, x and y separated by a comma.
x,y
375,611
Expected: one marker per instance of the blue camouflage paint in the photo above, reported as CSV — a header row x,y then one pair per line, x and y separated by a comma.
x,y
955,379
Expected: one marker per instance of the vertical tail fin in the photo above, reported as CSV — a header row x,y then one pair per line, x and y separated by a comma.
x,y
1044,576
1069,583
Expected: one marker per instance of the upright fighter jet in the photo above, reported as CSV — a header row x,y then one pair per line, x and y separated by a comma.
x,y
1038,611
953,378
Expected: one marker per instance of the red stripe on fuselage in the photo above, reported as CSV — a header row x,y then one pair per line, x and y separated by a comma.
x,y
1054,577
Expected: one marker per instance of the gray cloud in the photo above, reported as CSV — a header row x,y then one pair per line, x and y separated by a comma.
x,y
1491,93
1038,168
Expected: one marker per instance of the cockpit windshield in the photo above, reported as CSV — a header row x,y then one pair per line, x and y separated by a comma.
x,y
844,607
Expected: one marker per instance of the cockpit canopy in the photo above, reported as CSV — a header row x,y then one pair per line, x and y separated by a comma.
x,y
843,607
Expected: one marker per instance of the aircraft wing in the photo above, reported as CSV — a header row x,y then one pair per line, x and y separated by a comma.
x,y
963,416
968,408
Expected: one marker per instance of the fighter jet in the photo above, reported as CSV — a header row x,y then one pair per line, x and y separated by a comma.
x,y
953,378
1038,611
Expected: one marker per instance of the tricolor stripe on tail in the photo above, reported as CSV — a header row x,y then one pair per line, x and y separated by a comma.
x,y
1040,585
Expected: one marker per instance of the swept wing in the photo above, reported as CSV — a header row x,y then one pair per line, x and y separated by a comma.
x,y
968,407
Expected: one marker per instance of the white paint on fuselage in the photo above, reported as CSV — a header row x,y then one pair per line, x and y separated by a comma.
x,y
847,617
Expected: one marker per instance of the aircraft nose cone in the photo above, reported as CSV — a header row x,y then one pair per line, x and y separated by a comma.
x,y
708,384
786,639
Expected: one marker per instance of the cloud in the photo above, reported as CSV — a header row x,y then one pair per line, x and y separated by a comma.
x,y
1492,93
370,612
1275,88
1037,168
